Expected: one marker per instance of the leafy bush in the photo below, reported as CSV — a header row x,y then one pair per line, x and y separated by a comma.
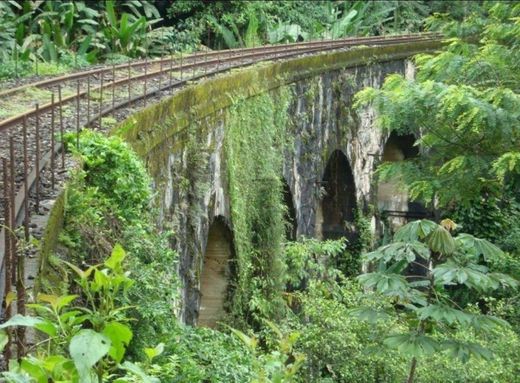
x,y
83,342
338,346
422,304
114,171
9,69
108,202
201,354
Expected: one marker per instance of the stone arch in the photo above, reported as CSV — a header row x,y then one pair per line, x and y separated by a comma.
x,y
338,205
290,213
216,273
392,199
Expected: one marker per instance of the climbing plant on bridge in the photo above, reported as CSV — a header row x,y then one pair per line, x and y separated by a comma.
x,y
255,141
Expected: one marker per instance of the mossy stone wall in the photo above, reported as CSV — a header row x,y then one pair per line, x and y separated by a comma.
x,y
218,148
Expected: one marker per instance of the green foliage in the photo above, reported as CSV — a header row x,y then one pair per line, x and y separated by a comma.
x,y
126,33
113,170
281,365
255,140
237,23
337,345
108,202
75,33
337,317
465,105
84,340
311,259
195,355
425,308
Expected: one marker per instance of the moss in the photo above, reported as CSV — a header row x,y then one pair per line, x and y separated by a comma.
x,y
48,274
254,145
151,126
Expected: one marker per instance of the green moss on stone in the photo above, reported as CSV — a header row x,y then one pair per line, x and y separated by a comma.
x,y
49,273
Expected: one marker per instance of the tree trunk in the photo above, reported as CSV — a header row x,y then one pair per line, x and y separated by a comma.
x,y
411,374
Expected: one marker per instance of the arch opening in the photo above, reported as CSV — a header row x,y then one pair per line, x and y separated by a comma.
x,y
338,205
391,198
290,213
216,273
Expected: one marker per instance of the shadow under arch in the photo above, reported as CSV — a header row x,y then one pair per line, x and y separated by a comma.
x,y
391,199
338,205
216,273
291,227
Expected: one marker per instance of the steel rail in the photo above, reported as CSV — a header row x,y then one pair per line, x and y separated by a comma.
x,y
161,61
6,123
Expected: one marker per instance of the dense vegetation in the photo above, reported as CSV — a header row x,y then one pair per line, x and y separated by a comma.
x,y
464,106
49,37
457,321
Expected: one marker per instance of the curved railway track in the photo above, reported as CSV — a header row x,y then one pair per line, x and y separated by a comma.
x,y
32,162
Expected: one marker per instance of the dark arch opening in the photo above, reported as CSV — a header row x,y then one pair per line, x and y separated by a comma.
x,y
290,213
399,148
339,201
216,273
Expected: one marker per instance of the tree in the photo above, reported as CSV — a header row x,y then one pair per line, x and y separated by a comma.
x,y
465,106
422,301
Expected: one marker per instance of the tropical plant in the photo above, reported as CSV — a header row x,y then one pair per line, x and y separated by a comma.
x,y
312,259
126,33
422,301
82,341
279,366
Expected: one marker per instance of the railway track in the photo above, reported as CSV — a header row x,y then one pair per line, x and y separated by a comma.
x,y
32,163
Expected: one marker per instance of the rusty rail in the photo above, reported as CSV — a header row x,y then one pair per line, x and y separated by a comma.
x,y
230,52
17,204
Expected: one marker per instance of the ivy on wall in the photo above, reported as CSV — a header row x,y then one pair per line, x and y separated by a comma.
x,y
254,145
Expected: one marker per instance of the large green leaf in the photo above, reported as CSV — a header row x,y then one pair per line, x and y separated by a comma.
x,y
369,314
502,280
151,353
228,36
415,230
441,241
478,247
21,320
488,322
440,312
34,367
115,260
471,275
110,12
464,351
398,251
86,348
386,283
412,344
120,336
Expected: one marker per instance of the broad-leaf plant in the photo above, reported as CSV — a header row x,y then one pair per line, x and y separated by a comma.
x,y
421,300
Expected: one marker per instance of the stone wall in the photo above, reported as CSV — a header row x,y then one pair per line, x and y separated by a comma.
x,y
183,141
